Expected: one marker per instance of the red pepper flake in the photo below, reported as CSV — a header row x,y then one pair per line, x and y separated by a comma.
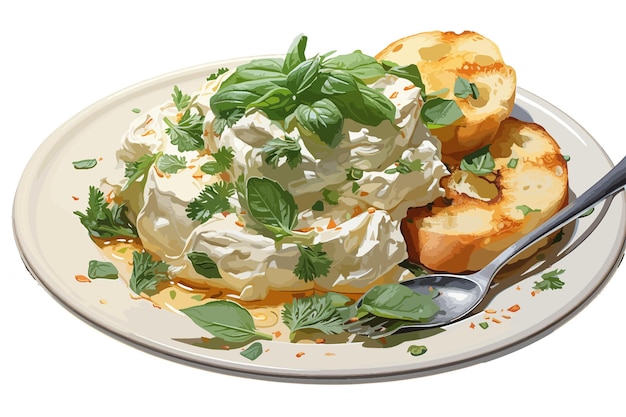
x,y
364,194
330,354
371,210
504,316
533,293
320,340
277,334
81,278
226,347
495,320
75,198
357,210
319,229
514,308
518,288
352,319
331,224
225,213
394,94
383,340
238,223
472,326
100,159
205,339
299,354
409,87
305,229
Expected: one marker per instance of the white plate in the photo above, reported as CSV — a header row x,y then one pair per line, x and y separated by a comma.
x,y
55,247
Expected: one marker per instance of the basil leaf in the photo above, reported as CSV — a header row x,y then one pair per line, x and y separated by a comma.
x,y
479,162
253,351
411,73
277,103
367,106
337,82
239,96
295,56
85,164
272,206
226,320
324,119
204,265
526,210
105,270
359,65
512,163
439,112
463,88
265,68
303,75
396,301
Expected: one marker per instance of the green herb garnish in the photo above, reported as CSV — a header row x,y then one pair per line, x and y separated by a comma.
x,y
171,164
318,206
147,273
104,220
404,167
512,163
204,265
223,160
312,263
253,351
318,312
397,301
272,206
135,110
226,320
104,270
479,162
526,210
416,350
187,133
463,88
138,170
219,72
550,281
181,101
85,164
212,199
288,148
330,196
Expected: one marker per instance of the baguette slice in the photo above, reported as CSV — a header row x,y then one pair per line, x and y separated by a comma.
x,y
482,215
442,57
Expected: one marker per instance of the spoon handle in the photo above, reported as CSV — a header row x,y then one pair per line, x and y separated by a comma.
x,y
612,182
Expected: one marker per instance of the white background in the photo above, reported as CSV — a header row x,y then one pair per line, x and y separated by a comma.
x,y
59,57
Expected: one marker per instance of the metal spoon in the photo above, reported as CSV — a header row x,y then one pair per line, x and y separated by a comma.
x,y
460,294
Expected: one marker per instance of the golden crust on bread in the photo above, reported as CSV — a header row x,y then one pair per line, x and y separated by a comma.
x,y
442,57
482,215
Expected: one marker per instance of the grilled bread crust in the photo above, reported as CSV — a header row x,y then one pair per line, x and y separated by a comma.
x,y
442,57
482,215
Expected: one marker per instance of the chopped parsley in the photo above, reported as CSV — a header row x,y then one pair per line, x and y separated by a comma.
x,y
550,281
104,220
171,164
526,210
288,148
318,312
147,273
330,196
404,166
212,199
313,262
216,74
138,170
223,161
187,133
354,174
181,101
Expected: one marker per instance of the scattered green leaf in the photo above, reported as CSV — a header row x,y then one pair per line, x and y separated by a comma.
x,y
330,196
138,170
288,148
318,206
216,74
480,162
85,164
404,167
135,110
171,164
397,301
147,273
253,351
226,320
550,281
181,101
272,206
312,263
512,163
211,200
483,325
102,220
318,312
416,350
526,210
438,112
187,133
204,265
99,269
463,88
586,213
223,160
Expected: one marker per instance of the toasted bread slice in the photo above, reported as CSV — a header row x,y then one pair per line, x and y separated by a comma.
x,y
442,57
482,215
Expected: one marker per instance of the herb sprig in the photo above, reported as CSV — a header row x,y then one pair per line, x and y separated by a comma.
x,y
105,220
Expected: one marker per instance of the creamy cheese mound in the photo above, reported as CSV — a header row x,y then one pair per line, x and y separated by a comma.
x,y
360,231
